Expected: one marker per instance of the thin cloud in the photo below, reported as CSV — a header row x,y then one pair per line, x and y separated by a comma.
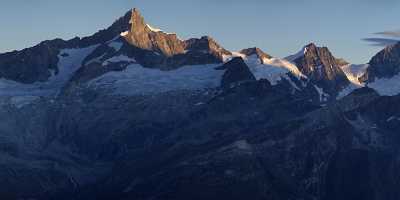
x,y
380,42
395,34
387,38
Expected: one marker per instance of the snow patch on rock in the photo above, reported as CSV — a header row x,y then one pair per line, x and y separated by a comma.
x,y
153,29
392,118
322,95
125,33
243,145
117,59
115,45
96,60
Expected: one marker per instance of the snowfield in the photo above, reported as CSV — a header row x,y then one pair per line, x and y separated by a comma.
x,y
274,69
386,86
20,94
346,91
137,80
354,72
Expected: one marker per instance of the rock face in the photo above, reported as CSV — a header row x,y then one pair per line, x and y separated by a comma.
x,y
154,48
208,45
119,26
256,51
236,72
32,64
171,52
385,64
319,65
141,36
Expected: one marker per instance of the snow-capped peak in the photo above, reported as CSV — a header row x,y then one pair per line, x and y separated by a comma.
x,y
263,66
299,54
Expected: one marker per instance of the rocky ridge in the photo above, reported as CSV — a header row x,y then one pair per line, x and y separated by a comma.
x,y
385,64
319,65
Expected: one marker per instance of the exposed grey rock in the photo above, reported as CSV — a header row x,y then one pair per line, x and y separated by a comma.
x,y
171,52
236,72
206,44
32,64
256,51
384,64
141,36
341,62
319,65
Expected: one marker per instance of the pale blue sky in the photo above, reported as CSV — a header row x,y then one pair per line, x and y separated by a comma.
x,y
279,27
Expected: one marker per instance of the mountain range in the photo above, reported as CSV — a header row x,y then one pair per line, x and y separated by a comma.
x,y
133,112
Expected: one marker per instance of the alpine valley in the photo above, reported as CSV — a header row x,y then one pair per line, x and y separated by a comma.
x,y
133,112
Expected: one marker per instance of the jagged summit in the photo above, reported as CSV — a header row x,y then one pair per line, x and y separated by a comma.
x,y
136,18
135,14
309,46
119,26
144,36
299,54
206,44
173,51
256,51
320,66
141,35
384,64
312,47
